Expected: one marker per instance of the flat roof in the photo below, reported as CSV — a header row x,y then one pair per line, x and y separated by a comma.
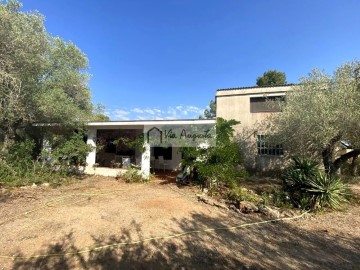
x,y
152,122
254,90
255,87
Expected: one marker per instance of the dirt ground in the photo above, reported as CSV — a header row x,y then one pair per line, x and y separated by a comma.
x,y
97,211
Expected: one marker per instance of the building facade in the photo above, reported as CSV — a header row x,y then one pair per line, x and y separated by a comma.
x,y
248,105
251,107
115,151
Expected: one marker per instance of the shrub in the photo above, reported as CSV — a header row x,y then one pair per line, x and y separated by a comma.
x,y
132,176
7,174
309,188
328,191
18,167
242,194
72,150
300,172
19,157
277,197
217,164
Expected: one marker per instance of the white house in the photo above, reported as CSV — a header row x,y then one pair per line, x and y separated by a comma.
x,y
111,154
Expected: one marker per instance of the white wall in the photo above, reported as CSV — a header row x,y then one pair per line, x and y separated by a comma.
x,y
172,164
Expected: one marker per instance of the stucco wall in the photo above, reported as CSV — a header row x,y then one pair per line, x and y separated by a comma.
x,y
172,164
235,104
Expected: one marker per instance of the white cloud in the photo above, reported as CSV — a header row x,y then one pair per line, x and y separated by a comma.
x,y
189,110
149,111
121,114
171,111
156,113
195,109
137,110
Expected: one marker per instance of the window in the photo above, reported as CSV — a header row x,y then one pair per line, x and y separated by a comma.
x,y
263,104
166,152
265,148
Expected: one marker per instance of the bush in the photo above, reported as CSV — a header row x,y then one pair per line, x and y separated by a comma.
x,y
18,167
72,150
217,164
309,188
299,173
328,191
242,194
277,197
19,157
132,176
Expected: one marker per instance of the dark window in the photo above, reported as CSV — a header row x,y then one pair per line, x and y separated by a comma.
x,y
264,104
266,148
166,152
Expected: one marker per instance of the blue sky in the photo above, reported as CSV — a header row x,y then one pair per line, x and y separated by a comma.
x,y
165,58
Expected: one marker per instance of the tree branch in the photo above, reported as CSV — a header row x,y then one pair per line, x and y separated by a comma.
x,y
339,161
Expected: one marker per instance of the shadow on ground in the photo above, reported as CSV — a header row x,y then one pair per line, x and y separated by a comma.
x,y
269,246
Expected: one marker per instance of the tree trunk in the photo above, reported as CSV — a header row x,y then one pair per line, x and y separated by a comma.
x,y
354,166
9,139
328,154
342,159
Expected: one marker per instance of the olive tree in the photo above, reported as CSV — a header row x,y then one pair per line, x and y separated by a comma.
x,y
42,78
319,114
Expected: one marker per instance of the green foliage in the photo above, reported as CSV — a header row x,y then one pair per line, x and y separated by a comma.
x,y
238,194
309,188
328,191
18,167
211,112
99,113
137,143
20,155
277,197
7,173
300,172
101,117
132,175
219,163
319,113
42,78
271,77
72,150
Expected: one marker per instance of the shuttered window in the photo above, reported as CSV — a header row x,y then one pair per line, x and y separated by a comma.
x,y
264,104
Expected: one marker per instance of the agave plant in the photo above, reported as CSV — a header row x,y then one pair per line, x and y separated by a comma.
x,y
309,188
300,172
328,191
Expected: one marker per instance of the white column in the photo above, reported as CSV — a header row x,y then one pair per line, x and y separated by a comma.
x,y
145,161
91,157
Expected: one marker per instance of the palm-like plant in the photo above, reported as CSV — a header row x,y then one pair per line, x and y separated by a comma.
x,y
309,188
300,171
328,191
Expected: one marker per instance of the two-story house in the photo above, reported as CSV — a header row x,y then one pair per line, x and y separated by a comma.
x,y
250,106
